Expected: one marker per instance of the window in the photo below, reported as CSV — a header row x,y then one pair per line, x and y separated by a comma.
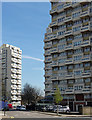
x,y
61,33
87,49
87,64
77,57
62,40
87,80
61,19
77,22
79,72
62,67
60,7
78,80
78,87
76,28
79,36
77,43
55,69
77,14
62,54
77,51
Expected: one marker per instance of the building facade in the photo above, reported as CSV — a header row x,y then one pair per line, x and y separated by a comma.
x,y
11,73
68,53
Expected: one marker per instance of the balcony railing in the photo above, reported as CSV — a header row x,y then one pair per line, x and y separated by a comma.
x,y
86,58
53,24
67,5
68,47
67,19
54,50
68,33
70,61
87,74
55,64
54,78
53,11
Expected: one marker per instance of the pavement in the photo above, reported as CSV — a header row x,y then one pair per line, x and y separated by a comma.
x,y
34,114
65,115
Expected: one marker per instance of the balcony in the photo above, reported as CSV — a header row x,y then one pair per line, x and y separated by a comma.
x,y
13,86
53,11
55,64
86,58
18,76
13,76
85,13
86,90
48,89
18,66
13,81
54,78
48,60
85,28
67,19
88,74
68,91
69,47
67,5
47,46
54,50
69,76
86,43
53,37
18,61
53,24
70,61
18,82
68,33
18,72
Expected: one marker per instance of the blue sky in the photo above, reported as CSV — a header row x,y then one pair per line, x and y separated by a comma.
x,y
24,25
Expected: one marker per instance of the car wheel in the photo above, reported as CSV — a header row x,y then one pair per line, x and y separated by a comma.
x,y
67,111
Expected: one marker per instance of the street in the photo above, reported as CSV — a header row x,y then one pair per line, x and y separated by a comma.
x,y
35,115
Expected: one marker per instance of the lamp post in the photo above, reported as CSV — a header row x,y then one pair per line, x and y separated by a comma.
x,y
5,94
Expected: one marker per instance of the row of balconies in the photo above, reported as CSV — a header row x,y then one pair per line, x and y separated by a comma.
x,y
71,61
69,47
16,71
71,91
70,18
15,55
70,32
17,51
16,65
16,98
14,87
67,76
15,76
16,82
67,5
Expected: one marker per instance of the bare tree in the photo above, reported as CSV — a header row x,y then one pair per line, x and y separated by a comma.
x,y
31,94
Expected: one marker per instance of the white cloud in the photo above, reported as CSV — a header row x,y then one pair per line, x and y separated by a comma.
x,y
32,58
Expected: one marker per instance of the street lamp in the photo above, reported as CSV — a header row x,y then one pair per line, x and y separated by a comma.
x,y
5,94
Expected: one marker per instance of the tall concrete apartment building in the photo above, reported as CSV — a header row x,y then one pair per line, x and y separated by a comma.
x,y
68,53
11,73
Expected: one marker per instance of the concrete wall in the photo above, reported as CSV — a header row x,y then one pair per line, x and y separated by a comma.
x,y
87,111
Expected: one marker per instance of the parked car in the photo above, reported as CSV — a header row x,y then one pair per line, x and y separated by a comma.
x,y
44,108
50,108
23,108
18,107
62,109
